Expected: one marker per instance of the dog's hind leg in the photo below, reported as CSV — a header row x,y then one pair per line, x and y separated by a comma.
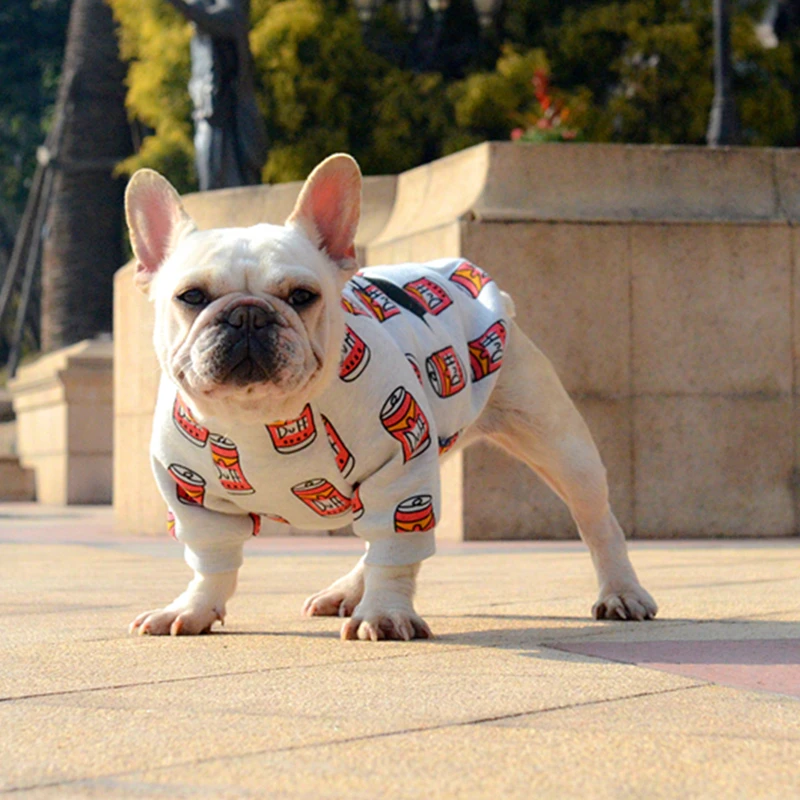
x,y
531,415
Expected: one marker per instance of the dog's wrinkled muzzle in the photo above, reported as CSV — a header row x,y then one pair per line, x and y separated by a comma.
x,y
246,344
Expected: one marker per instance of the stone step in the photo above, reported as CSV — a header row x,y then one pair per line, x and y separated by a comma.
x,y
17,483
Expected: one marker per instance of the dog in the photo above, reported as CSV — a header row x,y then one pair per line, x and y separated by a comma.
x,y
301,389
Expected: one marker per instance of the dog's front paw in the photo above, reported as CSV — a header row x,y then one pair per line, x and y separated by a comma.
x,y
176,620
374,625
387,610
340,598
194,612
629,603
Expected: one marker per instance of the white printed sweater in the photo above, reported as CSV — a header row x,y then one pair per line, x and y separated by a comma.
x,y
422,350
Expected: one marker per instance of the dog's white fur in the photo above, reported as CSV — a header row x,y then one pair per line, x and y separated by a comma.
x,y
529,413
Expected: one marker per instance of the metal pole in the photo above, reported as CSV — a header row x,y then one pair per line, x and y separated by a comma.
x,y
723,127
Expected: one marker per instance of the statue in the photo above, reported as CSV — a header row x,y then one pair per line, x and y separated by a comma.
x,y
230,136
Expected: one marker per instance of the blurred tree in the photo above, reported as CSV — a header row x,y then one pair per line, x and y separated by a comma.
x,y
619,70
320,90
83,245
638,71
32,35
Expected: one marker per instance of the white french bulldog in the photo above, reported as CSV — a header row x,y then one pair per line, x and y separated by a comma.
x,y
297,389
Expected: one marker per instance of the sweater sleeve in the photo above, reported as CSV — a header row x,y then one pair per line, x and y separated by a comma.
x,y
213,539
396,505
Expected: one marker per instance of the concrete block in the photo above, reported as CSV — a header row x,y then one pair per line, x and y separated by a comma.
x,y
17,483
713,466
570,285
711,308
659,281
63,404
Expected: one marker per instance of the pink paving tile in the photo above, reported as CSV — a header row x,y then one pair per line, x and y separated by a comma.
x,y
771,665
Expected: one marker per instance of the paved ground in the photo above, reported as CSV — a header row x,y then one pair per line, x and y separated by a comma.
x,y
520,695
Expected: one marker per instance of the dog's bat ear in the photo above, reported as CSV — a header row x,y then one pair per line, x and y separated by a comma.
x,y
329,208
156,220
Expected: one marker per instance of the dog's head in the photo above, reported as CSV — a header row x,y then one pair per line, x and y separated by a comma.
x,y
248,320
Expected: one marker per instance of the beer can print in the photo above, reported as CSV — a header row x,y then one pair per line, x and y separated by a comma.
x,y
171,524
448,442
294,434
225,456
415,515
355,355
376,301
356,504
470,278
486,352
402,417
344,458
352,308
322,497
415,367
256,519
190,487
187,424
432,296
445,372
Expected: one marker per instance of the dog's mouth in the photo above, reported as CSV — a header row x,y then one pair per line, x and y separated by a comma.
x,y
246,345
248,360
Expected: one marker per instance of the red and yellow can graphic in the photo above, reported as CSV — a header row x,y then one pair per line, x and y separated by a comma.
x,y
343,457
322,497
447,443
277,518
256,519
470,278
432,296
294,434
351,308
356,504
355,355
445,372
187,424
415,367
486,352
190,487
376,301
402,417
415,515
171,524
225,456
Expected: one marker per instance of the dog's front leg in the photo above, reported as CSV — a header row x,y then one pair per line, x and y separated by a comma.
x,y
340,598
193,612
386,610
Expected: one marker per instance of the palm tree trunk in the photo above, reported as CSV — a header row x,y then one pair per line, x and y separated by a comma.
x,y
83,243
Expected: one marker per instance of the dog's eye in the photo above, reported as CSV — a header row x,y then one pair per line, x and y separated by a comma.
x,y
193,297
301,298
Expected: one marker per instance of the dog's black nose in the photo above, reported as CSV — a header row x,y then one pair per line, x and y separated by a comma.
x,y
252,317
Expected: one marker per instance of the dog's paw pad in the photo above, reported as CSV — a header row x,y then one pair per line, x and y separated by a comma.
x,y
630,604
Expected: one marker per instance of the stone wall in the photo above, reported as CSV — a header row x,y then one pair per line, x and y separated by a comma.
x,y
660,281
